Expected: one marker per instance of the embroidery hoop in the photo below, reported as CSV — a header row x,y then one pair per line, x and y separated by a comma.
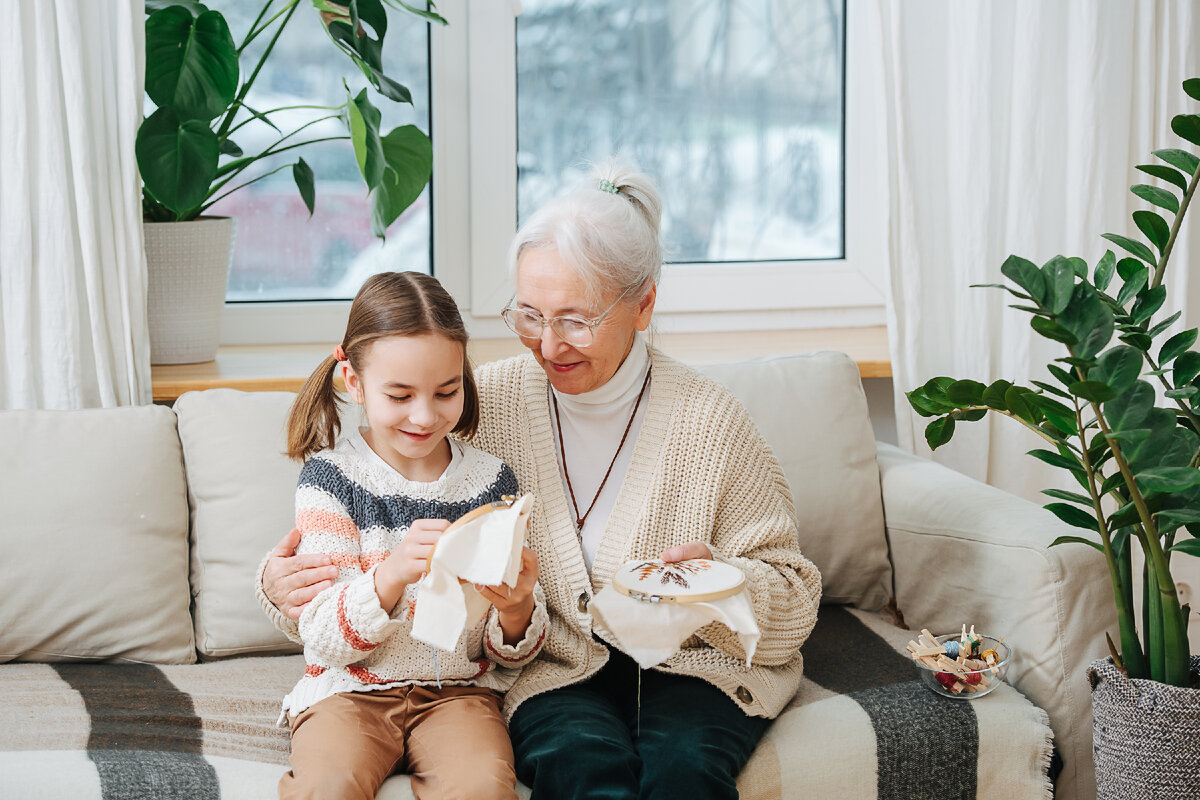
x,y
641,581
507,501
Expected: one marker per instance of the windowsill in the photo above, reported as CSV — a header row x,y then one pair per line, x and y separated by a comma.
x,y
284,367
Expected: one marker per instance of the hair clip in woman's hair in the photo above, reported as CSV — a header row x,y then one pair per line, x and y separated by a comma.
x,y
339,353
606,185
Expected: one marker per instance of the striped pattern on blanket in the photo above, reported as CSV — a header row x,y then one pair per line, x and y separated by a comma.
x,y
859,727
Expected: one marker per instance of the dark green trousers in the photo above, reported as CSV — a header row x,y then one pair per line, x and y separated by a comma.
x,y
590,740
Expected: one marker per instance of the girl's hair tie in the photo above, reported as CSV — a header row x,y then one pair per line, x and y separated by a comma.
x,y
606,185
339,353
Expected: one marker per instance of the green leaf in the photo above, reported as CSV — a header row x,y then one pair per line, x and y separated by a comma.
x,y
1060,278
1079,266
1089,320
1154,226
1187,126
1137,340
938,432
1051,389
1026,275
993,395
1052,330
1186,392
1112,482
1125,515
429,15
1148,302
1186,368
922,404
1189,547
1134,284
1104,270
1156,196
1092,391
972,415
1181,159
1168,479
364,133
1118,368
1192,87
1008,289
1077,540
965,393
1178,516
1165,173
303,175
1162,326
1059,415
1130,408
178,159
1074,497
1056,460
1073,516
1137,248
1014,398
1064,377
408,156
230,148
1176,346
191,63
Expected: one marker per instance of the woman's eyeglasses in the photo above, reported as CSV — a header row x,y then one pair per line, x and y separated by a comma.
x,y
575,331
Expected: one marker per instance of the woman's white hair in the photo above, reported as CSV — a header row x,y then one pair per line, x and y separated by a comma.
x,y
610,238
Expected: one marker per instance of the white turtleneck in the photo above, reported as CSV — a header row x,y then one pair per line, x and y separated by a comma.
x,y
592,426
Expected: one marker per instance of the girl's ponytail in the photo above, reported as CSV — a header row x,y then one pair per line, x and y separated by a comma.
x,y
313,422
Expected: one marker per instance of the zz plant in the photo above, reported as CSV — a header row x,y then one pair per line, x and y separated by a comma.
x,y
186,149
1121,417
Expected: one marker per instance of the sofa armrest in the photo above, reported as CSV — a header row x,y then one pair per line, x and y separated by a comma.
x,y
963,551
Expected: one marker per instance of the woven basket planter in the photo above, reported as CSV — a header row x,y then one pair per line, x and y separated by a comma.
x,y
188,265
1145,736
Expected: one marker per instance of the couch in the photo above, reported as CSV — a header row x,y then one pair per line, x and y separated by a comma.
x,y
135,662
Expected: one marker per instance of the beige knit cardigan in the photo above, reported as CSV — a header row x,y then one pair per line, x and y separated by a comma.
x,y
700,471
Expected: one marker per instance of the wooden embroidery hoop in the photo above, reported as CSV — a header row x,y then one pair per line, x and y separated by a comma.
x,y
730,580
507,501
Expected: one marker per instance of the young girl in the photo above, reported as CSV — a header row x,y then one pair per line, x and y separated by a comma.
x,y
373,699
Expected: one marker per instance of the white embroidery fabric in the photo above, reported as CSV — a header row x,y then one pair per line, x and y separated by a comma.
x,y
484,551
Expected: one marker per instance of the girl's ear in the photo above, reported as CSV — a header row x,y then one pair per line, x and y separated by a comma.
x,y
353,384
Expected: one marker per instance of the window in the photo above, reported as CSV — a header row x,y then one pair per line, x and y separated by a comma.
x,y
758,118
280,254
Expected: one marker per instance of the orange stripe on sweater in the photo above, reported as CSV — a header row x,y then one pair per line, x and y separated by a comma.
x,y
348,633
312,670
313,520
371,558
364,675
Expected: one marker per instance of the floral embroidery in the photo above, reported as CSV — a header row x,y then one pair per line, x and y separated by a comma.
x,y
671,573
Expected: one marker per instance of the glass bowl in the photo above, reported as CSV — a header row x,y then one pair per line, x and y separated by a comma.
x,y
968,684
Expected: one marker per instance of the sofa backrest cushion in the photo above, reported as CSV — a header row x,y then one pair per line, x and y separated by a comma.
x,y
242,492
94,532
813,413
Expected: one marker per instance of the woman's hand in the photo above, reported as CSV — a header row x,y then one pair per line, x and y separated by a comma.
x,y
515,605
291,581
683,552
408,561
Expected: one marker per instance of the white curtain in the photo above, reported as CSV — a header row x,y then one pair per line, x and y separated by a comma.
x,y
72,273
1013,128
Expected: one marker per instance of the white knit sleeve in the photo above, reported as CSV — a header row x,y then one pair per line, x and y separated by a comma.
x,y
524,651
344,623
755,530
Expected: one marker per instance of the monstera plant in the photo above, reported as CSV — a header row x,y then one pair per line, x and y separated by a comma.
x,y
1119,410
187,149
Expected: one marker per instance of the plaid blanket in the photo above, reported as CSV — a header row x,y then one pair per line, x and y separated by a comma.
x,y
861,726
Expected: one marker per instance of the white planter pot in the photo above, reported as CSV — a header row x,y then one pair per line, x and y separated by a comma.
x,y
188,265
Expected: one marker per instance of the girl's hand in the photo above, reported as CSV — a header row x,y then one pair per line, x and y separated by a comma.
x,y
685,551
291,581
407,562
515,605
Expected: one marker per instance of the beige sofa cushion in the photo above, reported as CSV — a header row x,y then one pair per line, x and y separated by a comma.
x,y
242,490
812,411
94,535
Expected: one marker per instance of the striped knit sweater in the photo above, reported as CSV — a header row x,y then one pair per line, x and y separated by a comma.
x,y
700,471
353,506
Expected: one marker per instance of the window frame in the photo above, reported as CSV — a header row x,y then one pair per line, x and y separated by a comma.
x,y
474,206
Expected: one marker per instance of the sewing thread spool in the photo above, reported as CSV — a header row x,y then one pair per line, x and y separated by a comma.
x,y
951,648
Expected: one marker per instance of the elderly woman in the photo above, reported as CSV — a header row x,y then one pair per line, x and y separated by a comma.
x,y
630,455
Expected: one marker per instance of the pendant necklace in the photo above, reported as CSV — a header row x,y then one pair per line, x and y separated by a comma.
x,y
580,519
